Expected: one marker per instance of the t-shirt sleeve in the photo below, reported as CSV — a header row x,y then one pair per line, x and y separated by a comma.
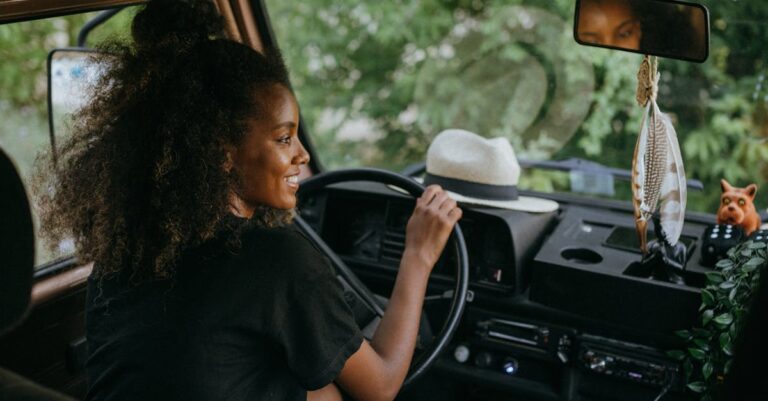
x,y
312,321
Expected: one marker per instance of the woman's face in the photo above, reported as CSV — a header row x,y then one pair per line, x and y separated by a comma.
x,y
609,23
269,157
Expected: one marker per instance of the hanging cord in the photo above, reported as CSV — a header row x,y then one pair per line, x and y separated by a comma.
x,y
667,386
647,80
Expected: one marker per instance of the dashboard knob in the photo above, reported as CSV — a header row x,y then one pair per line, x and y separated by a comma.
x,y
510,366
597,364
461,353
484,359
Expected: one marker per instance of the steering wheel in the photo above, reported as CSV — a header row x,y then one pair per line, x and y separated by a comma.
x,y
429,356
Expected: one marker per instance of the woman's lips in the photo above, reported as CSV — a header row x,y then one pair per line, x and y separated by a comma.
x,y
292,181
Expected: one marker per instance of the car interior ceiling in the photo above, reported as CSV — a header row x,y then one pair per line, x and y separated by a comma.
x,y
558,306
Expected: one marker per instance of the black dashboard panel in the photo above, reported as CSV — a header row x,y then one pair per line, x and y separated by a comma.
x,y
369,232
559,311
579,270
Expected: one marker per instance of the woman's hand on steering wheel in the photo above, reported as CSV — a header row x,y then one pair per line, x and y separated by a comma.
x,y
430,225
377,370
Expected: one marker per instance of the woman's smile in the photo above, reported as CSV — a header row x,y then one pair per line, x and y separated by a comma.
x,y
293,180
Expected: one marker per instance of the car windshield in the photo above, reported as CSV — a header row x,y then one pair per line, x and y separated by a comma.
x,y
378,80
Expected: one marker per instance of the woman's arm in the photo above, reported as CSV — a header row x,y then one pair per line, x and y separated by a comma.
x,y
377,370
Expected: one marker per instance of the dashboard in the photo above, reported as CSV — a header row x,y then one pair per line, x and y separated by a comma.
x,y
560,307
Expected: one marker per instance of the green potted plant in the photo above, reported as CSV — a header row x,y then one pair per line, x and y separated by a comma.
x,y
724,304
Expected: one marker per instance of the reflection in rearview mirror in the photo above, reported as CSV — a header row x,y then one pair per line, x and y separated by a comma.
x,y
661,28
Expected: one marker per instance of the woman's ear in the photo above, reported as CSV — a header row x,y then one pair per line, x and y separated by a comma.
x,y
229,158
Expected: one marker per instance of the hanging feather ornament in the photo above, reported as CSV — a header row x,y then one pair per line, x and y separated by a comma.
x,y
658,175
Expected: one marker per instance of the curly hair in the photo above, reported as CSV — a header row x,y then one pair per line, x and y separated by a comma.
x,y
141,178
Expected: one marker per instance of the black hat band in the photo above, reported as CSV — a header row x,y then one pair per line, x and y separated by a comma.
x,y
473,189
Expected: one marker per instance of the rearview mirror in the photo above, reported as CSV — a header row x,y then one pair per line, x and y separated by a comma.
x,y
672,29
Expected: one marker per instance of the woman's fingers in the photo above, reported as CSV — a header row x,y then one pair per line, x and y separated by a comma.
x,y
440,198
437,199
455,214
448,204
429,194
431,223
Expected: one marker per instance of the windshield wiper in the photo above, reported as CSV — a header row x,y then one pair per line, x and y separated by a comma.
x,y
572,164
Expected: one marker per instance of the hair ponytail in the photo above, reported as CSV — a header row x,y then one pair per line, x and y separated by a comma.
x,y
175,25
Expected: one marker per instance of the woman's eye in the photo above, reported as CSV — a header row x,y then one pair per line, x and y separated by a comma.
x,y
285,139
625,34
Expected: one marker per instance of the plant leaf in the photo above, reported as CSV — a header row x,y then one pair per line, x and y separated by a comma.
x,y
724,319
724,264
725,339
707,316
728,349
707,370
707,298
697,353
756,245
727,285
697,387
753,264
748,268
714,278
702,343
684,334
688,369
732,294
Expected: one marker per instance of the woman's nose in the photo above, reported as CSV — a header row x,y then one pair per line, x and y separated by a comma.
x,y
302,156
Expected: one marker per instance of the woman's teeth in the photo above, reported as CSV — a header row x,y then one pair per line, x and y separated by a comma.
x,y
293,179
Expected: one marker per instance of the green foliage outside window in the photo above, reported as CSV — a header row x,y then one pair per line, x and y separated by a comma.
x,y
376,82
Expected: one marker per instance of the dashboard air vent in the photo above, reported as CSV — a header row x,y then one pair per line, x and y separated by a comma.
x,y
392,245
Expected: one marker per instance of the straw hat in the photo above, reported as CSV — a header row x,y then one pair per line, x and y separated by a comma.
x,y
479,171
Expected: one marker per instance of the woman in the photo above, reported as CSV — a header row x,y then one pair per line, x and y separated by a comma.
x,y
179,181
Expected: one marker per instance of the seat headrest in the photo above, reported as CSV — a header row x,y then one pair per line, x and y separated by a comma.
x,y
17,246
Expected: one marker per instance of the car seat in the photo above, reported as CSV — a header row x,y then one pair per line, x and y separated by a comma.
x,y
17,247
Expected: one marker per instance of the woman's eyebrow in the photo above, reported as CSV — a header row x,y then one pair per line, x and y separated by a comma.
x,y
286,124
627,22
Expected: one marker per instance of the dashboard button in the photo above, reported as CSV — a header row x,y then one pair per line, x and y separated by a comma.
x,y
461,353
510,366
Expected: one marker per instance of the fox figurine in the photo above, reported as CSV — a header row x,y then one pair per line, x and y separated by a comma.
x,y
737,207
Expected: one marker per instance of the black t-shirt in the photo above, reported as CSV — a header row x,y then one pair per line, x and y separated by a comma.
x,y
266,322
